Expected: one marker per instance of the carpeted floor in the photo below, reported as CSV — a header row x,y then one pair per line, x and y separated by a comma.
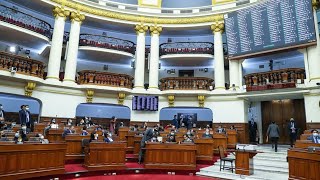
x,y
143,177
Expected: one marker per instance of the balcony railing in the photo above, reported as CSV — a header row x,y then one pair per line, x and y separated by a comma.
x,y
21,65
26,21
105,79
186,83
107,42
186,48
277,79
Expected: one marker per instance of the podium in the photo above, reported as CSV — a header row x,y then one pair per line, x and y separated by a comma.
x,y
244,161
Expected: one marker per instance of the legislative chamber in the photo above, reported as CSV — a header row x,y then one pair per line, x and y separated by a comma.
x,y
160,89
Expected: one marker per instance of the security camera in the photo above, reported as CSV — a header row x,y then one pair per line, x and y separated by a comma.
x,y
13,70
318,84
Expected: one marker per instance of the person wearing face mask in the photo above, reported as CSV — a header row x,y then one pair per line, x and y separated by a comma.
x,y
84,131
171,139
148,135
175,121
68,131
94,136
42,139
220,130
24,129
207,134
81,123
187,139
2,116
315,137
25,116
108,138
172,133
53,123
69,122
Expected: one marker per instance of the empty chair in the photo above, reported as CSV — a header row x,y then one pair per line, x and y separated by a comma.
x,y
223,159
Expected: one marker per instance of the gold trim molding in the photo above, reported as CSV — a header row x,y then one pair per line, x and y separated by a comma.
x,y
135,18
155,30
142,4
77,16
61,12
89,95
218,24
121,97
171,100
201,100
28,89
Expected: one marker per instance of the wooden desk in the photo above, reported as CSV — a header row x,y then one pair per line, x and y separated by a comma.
x,y
204,149
39,127
232,138
130,141
74,146
105,156
136,147
20,161
219,140
305,144
244,162
303,164
123,132
170,156
55,135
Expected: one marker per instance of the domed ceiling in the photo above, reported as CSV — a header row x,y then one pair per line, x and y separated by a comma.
x,y
173,3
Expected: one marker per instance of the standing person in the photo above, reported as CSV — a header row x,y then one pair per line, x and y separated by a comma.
x,y
148,135
1,113
112,125
293,131
181,121
175,121
253,131
25,116
273,133
190,122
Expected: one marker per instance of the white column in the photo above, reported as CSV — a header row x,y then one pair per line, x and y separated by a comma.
x,y
314,54
154,58
234,74
140,56
240,74
60,15
217,29
72,53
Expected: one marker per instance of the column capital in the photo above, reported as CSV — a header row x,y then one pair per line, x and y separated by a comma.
x,y
28,89
171,100
141,28
89,95
155,29
60,12
218,23
201,99
77,16
315,4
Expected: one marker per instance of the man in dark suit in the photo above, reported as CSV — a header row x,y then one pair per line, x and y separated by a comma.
x,y
253,131
315,137
2,113
189,122
68,131
148,135
25,116
175,121
293,131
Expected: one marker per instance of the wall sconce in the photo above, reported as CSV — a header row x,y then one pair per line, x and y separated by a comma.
x,y
205,69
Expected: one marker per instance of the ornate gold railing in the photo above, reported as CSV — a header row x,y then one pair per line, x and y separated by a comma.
x,y
21,65
105,79
277,79
186,83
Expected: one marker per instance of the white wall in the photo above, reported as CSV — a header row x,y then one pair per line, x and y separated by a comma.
x,y
312,103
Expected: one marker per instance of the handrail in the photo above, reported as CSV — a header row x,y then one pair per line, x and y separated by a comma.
x,y
276,79
107,42
26,21
104,79
186,83
22,65
186,47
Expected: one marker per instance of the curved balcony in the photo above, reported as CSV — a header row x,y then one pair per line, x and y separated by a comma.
x,y
90,77
185,83
186,48
26,21
22,65
277,79
106,42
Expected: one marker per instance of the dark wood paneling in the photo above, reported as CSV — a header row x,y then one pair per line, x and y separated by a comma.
x,y
201,124
74,146
204,149
281,111
313,125
242,130
19,161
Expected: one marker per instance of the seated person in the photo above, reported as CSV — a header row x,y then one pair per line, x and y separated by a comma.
x,y
89,122
135,128
20,137
99,128
190,133
53,123
220,130
108,138
68,130
84,131
171,139
314,137
172,133
187,139
154,138
24,129
144,125
207,134
160,128
69,122
81,123
208,126
94,136
42,139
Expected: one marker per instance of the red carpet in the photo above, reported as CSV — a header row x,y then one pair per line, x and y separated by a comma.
x,y
143,176
70,168
134,165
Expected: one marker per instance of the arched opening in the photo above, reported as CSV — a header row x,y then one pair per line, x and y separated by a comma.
x,y
12,105
101,113
202,116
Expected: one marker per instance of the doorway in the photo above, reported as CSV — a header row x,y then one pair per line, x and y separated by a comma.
x,y
281,111
186,73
